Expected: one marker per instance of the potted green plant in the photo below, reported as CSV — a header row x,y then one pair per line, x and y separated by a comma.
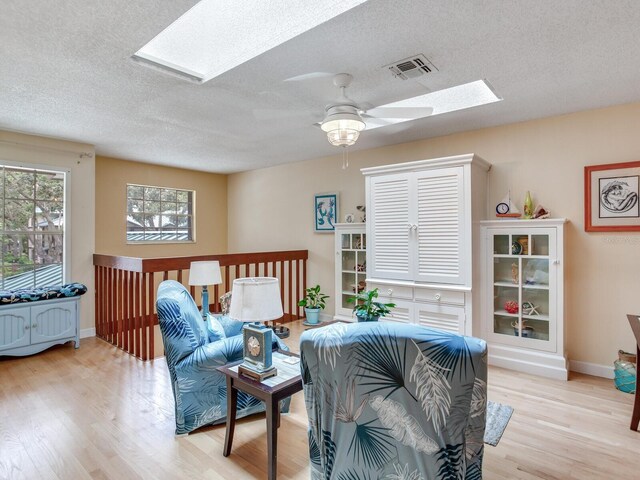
x,y
367,309
313,301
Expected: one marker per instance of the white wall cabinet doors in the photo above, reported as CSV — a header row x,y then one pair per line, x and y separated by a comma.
x,y
439,217
523,299
28,328
391,217
14,329
351,266
417,225
52,322
439,309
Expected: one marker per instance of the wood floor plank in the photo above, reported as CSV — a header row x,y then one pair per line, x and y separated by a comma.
x,y
98,413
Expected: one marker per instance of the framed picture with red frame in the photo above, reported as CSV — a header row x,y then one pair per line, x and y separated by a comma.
x,y
611,197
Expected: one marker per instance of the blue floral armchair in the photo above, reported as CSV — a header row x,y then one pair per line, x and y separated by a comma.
x,y
199,390
394,401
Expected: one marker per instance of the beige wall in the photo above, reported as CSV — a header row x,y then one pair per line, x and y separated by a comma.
x,y
112,176
19,149
273,209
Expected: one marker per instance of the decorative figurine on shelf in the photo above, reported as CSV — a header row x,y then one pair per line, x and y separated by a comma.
x,y
361,267
527,331
363,209
359,287
516,248
541,212
511,306
514,273
524,243
529,308
506,209
528,206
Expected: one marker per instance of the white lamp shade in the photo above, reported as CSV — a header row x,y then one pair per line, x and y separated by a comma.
x,y
205,273
255,299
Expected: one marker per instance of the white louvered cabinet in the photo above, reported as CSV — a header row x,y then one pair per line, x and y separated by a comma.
x,y
423,236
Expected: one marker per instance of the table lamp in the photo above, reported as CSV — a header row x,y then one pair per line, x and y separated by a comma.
x,y
253,300
202,274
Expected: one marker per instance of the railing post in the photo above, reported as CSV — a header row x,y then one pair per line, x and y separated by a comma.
x,y
143,317
151,323
136,314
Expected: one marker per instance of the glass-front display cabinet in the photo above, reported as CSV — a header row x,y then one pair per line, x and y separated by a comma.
x,y
523,294
351,266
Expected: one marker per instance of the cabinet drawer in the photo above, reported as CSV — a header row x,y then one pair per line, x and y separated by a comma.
x,y
392,291
439,296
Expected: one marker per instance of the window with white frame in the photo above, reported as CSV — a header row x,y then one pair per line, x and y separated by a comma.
x,y
159,214
32,229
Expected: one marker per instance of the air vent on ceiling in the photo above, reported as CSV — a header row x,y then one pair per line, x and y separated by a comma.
x,y
411,67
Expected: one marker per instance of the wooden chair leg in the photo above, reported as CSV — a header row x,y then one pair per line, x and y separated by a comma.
x,y
635,417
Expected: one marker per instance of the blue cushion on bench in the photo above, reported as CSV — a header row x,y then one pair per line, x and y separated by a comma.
x,y
23,295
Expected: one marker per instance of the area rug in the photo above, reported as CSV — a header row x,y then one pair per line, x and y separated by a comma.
x,y
498,416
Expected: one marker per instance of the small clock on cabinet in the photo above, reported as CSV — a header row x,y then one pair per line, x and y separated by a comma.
x,y
502,208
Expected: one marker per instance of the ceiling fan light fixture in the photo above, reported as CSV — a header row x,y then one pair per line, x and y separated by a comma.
x,y
343,127
343,137
350,123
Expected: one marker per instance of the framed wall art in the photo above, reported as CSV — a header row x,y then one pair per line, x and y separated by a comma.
x,y
326,211
611,195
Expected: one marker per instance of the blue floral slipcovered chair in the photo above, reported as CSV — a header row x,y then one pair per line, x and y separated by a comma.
x,y
394,401
193,353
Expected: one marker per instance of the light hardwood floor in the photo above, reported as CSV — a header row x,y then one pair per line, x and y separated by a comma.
x,y
98,413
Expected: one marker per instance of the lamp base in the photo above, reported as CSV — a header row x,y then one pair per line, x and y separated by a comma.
x,y
247,371
205,303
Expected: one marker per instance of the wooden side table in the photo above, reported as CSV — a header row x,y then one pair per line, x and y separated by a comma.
x,y
270,395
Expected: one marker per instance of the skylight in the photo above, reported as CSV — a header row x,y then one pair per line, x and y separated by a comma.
x,y
443,101
215,36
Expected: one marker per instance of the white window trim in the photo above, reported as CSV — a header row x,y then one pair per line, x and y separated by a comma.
x,y
161,242
66,246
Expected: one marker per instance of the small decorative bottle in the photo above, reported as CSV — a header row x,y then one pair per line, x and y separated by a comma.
x,y
528,206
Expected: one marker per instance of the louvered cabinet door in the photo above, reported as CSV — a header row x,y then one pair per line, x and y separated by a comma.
x,y
442,317
439,196
401,313
389,217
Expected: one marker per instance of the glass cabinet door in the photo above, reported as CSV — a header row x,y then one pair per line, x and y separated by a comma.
x,y
353,266
522,280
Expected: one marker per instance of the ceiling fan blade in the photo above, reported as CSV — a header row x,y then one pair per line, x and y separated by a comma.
x,y
375,122
406,113
309,76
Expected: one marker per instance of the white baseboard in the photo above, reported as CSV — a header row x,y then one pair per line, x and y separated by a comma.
x,y
88,332
594,369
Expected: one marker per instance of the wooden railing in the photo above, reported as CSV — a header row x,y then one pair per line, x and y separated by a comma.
x,y
126,286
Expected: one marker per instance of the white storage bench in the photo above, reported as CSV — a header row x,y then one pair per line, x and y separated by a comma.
x,y
36,319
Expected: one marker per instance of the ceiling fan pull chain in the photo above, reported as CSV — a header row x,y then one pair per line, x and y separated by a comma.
x,y
345,158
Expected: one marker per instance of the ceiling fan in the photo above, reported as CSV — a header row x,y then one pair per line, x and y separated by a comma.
x,y
345,119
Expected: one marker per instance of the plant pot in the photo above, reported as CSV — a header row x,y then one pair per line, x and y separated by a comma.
x,y
313,315
368,318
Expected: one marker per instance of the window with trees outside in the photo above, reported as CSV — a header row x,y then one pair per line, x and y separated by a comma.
x,y
32,229
158,214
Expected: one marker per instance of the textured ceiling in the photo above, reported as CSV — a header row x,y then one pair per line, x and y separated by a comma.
x,y
66,72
